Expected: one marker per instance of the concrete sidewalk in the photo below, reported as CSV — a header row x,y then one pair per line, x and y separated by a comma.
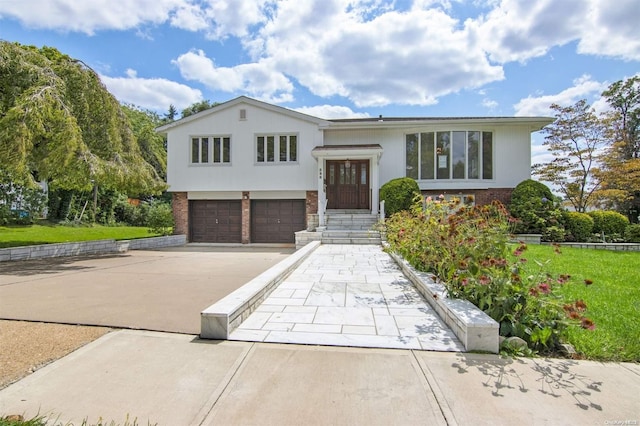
x,y
172,379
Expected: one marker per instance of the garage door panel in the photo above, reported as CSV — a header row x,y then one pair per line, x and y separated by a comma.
x,y
276,221
215,221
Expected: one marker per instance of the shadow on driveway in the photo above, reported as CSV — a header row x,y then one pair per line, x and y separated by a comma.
x,y
49,266
161,290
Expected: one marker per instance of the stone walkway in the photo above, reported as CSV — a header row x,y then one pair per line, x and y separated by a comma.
x,y
348,295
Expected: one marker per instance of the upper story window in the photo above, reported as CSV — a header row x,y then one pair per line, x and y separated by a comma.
x,y
210,150
449,155
276,148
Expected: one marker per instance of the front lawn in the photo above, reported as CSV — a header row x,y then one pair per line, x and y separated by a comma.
x,y
45,233
612,298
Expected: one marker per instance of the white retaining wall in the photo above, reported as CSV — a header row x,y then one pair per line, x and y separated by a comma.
x,y
88,248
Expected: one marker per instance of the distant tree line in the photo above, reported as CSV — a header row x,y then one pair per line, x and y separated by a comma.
x,y
596,160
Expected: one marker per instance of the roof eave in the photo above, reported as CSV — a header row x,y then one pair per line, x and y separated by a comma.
x,y
535,123
242,99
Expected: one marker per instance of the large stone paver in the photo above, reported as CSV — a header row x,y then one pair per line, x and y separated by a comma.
x,y
348,295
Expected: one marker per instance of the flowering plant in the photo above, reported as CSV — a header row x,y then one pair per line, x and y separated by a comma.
x,y
468,249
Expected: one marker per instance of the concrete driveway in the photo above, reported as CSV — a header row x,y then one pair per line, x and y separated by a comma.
x,y
161,290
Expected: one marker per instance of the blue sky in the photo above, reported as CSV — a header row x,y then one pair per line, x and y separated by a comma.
x,y
341,58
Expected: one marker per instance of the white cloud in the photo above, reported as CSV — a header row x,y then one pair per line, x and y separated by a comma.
x,y
372,52
331,112
410,57
539,153
583,88
155,94
88,16
260,79
517,30
489,103
612,30
216,18
220,18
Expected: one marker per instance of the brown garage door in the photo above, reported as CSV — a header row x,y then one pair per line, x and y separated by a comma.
x,y
275,221
215,221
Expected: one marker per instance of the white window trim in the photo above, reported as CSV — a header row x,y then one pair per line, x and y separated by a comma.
x,y
276,149
210,153
466,157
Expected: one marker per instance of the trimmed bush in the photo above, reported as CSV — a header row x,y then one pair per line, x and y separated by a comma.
x,y
160,218
398,194
578,226
535,208
609,222
632,234
553,234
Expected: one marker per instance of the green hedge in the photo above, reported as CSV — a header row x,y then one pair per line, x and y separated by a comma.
x,y
609,222
535,208
578,226
398,194
632,234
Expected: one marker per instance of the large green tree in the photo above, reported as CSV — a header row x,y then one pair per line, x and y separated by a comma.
x,y
59,123
575,139
152,144
621,163
198,107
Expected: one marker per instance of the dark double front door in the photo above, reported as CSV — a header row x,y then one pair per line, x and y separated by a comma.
x,y
348,184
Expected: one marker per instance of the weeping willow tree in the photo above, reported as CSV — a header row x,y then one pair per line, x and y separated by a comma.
x,y
59,123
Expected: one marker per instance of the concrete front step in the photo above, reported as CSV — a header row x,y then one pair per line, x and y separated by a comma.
x,y
348,211
333,233
351,237
372,241
345,221
350,227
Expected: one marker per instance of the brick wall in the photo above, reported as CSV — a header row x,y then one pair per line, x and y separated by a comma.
x,y
488,195
312,202
311,210
246,217
180,207
482,196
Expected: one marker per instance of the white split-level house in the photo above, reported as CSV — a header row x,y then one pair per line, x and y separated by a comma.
x,y
246,171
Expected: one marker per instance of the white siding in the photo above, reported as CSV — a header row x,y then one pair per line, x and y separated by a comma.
x,y
512,156
511,164
242,174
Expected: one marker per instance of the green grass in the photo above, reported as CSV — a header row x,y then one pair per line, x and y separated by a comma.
x,y
45,233
613,300
18,420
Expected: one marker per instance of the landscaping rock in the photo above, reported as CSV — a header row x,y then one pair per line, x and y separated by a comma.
x,y
568,350
515,343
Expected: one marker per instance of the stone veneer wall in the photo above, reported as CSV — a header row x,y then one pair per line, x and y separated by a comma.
x,y
180,207
83,248
482,196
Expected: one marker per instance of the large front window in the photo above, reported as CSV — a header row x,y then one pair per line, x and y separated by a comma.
x,y
210,149
449,155
276,148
